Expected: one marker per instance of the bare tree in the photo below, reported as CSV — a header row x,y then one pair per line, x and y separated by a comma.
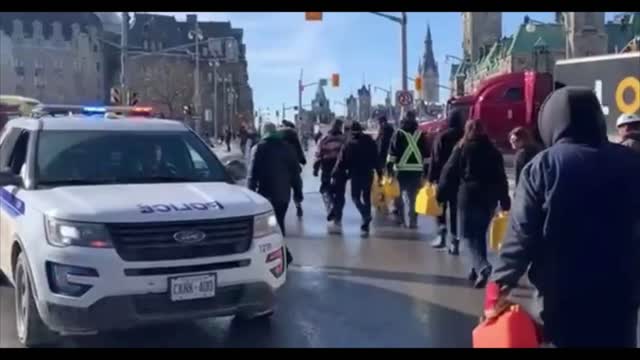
x,y
164,81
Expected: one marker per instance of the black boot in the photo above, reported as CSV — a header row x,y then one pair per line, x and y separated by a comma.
x,y
441,241
473,276
454,248
299,211
482,279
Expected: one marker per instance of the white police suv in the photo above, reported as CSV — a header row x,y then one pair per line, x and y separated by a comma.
x,y
108,223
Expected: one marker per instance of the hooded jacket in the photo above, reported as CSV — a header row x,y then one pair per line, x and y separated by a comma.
x,y
474,175
444,143
575,221
399,144
359,157
274,171
383,140
290,135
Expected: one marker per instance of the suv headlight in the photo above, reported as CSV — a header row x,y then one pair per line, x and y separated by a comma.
x,y
265,225
63,233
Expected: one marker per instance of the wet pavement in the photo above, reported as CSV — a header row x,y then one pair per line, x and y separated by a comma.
x,y
389,290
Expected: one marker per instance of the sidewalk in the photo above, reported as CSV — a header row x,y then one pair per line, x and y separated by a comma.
x,y
221,152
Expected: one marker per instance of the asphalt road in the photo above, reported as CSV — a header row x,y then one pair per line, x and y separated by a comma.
x,y
389,290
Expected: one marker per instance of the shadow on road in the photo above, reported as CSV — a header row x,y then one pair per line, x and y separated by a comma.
x,y
314,310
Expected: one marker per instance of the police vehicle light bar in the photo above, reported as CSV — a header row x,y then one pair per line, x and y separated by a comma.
x,y
53,110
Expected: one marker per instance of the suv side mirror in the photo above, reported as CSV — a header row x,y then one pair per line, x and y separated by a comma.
x,y
7,177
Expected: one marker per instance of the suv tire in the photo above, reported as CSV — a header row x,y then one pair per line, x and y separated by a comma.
x,y
31,330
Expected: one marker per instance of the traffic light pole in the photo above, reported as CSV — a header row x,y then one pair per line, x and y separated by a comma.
x,y
123,57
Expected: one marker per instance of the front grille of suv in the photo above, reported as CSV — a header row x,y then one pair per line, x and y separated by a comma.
x,y
155,241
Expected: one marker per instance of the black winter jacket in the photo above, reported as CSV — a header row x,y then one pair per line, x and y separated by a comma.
x,y
475,175
385,133
575,222
444,143
291,137
399,144
523,156
274,171
359,157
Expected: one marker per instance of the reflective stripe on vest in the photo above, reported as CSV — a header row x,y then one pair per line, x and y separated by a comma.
x,y
411,149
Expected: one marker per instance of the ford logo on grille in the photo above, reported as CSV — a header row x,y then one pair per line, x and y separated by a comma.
x,y
189,236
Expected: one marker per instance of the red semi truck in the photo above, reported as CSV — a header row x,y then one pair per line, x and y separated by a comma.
x,y
505,101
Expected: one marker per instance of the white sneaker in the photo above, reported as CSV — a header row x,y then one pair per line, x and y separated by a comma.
x,y
335,228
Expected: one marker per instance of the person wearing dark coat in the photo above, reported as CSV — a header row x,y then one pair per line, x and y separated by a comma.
x,y
290,135
274,172
526,148
332,188
408,154
358,160
475,176
383,140
441,150
227,138
575,228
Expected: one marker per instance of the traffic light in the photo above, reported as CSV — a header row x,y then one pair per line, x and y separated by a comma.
x,y
133,98
187,110
313,16
418,84
335,80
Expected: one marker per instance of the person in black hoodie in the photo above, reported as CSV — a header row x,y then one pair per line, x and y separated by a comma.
x,y
441,151
475,176
575,227
290,135
274,172
331,187
526,148
408,154
358,160
383,140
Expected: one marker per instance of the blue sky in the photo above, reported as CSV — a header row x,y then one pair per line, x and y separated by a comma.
x,y
357,45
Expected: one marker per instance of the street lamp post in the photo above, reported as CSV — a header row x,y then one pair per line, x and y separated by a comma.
x,y
197,35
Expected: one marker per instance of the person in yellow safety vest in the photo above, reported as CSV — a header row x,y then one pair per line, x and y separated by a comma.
x,y
407,159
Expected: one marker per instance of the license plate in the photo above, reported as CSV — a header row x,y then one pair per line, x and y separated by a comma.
x,y
192,287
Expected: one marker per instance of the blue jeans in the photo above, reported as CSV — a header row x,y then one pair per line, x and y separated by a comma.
x,y
473,223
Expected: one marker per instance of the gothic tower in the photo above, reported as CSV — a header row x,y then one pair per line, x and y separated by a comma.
x,y
429,72
480,30
586,33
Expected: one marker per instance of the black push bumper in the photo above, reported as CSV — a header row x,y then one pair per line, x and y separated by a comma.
x,y
123,312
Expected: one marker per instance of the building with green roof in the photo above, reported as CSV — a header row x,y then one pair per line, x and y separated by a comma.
x,y
536,46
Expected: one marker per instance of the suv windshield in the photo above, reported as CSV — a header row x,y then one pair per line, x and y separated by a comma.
x,y
99,157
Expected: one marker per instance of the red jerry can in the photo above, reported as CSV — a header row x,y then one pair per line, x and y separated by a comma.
x,y
514,328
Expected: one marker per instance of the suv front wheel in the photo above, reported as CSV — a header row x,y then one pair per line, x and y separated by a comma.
x,y
32,331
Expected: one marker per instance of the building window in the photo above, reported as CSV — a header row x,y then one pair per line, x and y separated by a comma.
x,y
38,72
98,66
514,94
145,45
19,67
153,46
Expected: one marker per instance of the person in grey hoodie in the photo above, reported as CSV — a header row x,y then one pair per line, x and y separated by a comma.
x,y
575,228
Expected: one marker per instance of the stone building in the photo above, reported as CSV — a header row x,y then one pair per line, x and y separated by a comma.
x,y
537,46
320,107
428,69
480,30
352,107
55,57
364,103
165,79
